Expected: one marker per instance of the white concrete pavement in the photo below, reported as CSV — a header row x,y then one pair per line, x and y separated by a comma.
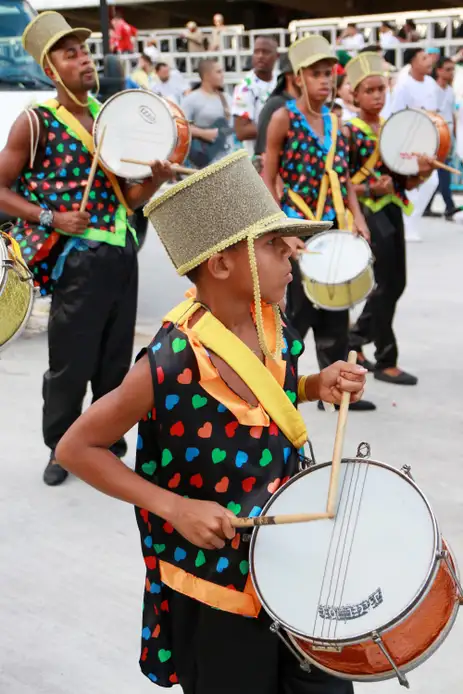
x,y
71,574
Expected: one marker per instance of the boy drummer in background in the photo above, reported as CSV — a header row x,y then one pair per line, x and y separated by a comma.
x,y
306,148
216,393
383,197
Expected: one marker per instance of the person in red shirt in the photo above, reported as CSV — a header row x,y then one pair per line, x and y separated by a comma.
x,y
122,34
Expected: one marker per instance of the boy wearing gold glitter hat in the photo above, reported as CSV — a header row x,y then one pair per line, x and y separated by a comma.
x,y
216,395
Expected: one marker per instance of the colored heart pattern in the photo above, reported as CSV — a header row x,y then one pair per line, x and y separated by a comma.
x,y
58,184
218,456
198,401
197,448
222,486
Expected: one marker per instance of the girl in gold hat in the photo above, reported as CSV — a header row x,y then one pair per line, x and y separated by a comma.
x,y
308,151
383,196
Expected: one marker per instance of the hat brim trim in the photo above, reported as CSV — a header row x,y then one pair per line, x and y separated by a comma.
x,y
364,77
278,223
80,32
317,58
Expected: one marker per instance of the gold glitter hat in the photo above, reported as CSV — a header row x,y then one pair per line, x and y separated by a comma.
x,y
216,208
364,65
45,30
219,206
310,50
43,33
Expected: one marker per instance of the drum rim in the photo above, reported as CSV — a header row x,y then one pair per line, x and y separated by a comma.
x,y
421,592
389,674
340,231
369,270
422,112
27,314
98,118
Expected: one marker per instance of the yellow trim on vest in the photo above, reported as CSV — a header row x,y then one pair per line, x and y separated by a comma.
x,y
87,139
215,336
370,164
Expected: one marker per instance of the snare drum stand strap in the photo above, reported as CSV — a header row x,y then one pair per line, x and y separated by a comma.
x,y
400,675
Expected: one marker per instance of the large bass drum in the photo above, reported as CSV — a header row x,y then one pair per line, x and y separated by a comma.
x,y
368,595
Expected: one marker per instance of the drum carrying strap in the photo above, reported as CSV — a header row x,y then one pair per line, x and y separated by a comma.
x,y
330,180
215,336
87,139
370,164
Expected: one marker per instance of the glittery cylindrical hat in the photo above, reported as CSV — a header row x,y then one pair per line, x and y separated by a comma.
x,y
47,29
217,207
310,50
362,66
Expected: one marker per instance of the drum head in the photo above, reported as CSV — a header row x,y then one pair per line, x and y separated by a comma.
x,y
341,579
338,257
138,125
406,132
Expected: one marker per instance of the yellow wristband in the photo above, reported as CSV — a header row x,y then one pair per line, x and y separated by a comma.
x,y
301,392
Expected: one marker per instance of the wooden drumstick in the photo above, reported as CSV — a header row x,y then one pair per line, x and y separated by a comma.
x,y
438,164
278,520
96,158
338,446
176,167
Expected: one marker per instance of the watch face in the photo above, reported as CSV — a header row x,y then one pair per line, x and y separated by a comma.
x,y
46,218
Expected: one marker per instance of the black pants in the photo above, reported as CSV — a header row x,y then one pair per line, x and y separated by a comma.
x,y
375,323
330,328
217,652
90,332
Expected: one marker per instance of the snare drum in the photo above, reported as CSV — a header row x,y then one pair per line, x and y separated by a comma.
x,y
143,126
368,595
413,131
339,272
16,291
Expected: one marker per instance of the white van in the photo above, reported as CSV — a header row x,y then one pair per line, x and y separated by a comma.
x,y
22,81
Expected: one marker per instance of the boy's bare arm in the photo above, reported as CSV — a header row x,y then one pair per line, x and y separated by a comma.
x,y
83,450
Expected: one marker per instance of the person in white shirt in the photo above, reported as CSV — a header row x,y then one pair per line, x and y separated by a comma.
x,y
417,90
387,37
352,40
444,72
251,94
171,83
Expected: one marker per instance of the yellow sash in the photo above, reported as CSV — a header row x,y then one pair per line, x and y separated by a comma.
x,y
87,139
330,180
215,336
370,164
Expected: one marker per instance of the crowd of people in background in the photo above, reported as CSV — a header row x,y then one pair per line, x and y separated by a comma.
x,y
222,122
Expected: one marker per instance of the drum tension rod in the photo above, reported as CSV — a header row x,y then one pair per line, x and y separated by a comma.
x,y
407,470
443,554
363,450
303,663
400,675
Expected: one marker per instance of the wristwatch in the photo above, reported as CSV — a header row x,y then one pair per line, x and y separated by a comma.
x,y
46,218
